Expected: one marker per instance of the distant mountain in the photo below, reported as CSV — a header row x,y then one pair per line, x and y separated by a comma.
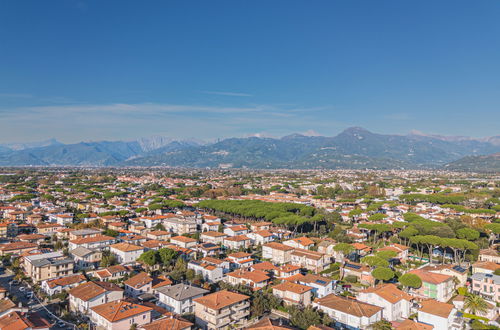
x,y
355,148
488,163
29,145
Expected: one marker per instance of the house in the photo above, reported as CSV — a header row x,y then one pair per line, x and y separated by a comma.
x,y
241,259
82,233
265,267
395,303
361,272
138,285
269,324
357,235
134,239
179,298
210,226
347,312
221,309
160,235
86,258
277,252
237,242
90,294
94,242
16,248
321,286
180,226
20,321
213,237
436,286
288,270
236,230
311,260
8,306
125,252
304,243
460,273
401,250
57,285
486,285
261,237
44,266
208,249
111,273
120,315
293,293
253,279
489,255
440,315
210,272
32,238
184,242
224,264
412,325
168,323
486,267
256,226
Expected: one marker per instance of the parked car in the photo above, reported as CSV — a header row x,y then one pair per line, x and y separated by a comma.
x,y
14,282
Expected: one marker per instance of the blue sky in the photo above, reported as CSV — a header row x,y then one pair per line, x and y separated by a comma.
x,y
93,70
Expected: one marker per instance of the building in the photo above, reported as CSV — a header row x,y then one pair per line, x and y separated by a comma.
x,y
277,252
321,286
138,285
304,243
120,315
253,279
20,321
94,242
311,260
396,304
489,255
237,242
221,309
436,286
211,273
440,315
16,248
213,237
91,294
486,267
86,258
54,286
184,242
237,230
44,266
347,312
168,323
179,298
241,259
486,285
293,293
125,252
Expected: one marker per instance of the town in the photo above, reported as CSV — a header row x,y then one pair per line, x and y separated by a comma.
x,y
242,249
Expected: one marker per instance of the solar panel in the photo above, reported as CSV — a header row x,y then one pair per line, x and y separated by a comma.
x,y
459,269
352,266
320,282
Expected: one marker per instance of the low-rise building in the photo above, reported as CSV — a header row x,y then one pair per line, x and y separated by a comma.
x,y
440,315
277,252
396,304
211,273
486,285
436,286
125,252
179,298
44,266
221,309
120,315
91,294
138,285
293,293
57,285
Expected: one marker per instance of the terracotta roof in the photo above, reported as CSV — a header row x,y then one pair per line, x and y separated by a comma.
x,y
264,266
221,299
183,239
126,247
17,246
278,246
89,290
389,292
254,276
437,308
292,287
18,321
168,323
239,255
304,241
139,280
213,234
239,238
68,280
486,265
94,239
412,325
348,305
267,324
118,310
263,233
430,277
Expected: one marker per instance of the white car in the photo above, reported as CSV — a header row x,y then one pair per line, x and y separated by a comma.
x,y
22,289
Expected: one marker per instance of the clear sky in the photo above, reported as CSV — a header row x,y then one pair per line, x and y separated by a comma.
x,y
92,70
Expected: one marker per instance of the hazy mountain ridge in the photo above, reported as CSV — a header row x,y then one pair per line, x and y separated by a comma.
x,y
355,147
487,163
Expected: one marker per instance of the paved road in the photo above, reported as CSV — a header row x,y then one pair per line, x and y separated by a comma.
x,y
33,304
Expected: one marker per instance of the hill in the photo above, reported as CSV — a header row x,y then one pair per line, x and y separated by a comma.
x,y
488,163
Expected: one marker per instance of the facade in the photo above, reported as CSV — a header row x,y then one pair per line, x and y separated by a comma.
x,y
125,252
440,315
293,293
138,285
436,286
277,252
52,287
221,309
91,294
179,298
120,315
487,285
210,272
310,260
41,267
348,312
396,304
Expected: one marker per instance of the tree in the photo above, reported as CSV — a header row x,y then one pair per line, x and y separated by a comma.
x,y
150,257
468,234
108,259
344,248
159,226
167,255
374,261
382,325
383,273
179,270
475,304
386,254
304,318
410,281
408,233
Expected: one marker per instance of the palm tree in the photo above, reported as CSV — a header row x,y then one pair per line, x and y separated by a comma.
x,y
475,304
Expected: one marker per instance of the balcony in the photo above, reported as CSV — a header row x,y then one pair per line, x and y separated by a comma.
x,y
222,322
239,315
239,306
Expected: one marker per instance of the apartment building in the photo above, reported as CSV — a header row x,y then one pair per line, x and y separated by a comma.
x,y
221,310
125,252
211,273
120,315
277,252
91,294
293,293
486,285
41,267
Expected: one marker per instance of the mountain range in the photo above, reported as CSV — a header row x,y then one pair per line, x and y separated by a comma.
x,y
355,148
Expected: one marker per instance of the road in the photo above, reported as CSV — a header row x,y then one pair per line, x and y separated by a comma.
x,y
33,304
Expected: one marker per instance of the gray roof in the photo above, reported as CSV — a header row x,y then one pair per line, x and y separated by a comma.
x,y
50,261
482,276
86,231
81,251
181,291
